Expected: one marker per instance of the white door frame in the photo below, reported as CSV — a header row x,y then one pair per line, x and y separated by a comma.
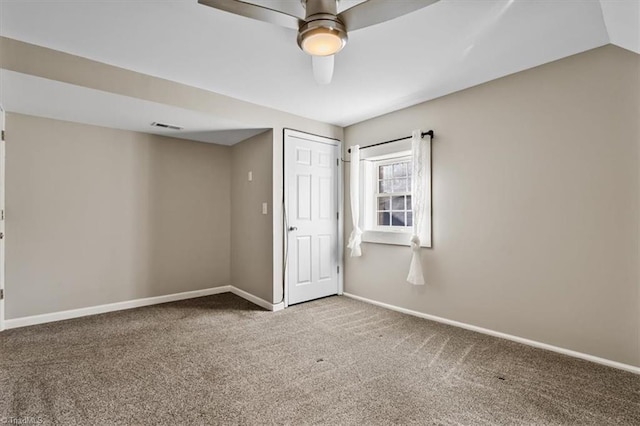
x,y
2,217
326,140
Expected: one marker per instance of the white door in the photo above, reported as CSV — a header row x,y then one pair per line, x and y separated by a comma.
x,y
311,203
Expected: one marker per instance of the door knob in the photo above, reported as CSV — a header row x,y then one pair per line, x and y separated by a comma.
x,y
293,228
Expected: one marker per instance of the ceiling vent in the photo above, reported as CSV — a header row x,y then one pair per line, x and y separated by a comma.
x,y
166,126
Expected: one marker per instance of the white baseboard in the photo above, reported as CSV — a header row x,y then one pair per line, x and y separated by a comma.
x,y
256,300
111,307
569,352
137,303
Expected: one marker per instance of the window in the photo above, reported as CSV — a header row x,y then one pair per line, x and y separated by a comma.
x,y
393,193
387,214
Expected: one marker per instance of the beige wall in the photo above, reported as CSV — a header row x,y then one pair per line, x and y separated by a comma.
x,y
55,65
535,207
251,231
97,215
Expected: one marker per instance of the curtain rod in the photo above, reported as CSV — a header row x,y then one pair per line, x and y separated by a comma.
x,y
430,133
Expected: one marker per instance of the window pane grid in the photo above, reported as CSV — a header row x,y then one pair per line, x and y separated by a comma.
x,y
393,198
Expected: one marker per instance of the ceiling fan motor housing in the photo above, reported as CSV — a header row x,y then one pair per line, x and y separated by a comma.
x,y
316,7
321,21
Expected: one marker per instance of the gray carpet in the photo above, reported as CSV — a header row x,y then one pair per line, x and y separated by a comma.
x,y
222,360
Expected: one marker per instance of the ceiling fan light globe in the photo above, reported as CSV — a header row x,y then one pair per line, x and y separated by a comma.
x,y
322,38
320,43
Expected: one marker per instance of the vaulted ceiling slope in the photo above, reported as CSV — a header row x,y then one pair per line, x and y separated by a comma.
x,y
446,47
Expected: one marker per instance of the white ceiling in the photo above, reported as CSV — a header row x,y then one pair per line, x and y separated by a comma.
x,y
443,48
622,18
41,97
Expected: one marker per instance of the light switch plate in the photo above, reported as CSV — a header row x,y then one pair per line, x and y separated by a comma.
x,y
264,208
250,177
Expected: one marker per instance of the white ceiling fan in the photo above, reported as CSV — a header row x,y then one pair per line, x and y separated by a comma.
x,y
323,32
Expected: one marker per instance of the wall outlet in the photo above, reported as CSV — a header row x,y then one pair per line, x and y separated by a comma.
x,y
264,208
250,176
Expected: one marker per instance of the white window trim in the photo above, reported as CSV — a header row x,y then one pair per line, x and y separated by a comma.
x,y
371,232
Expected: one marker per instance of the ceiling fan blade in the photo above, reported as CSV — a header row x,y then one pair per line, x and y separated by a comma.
x,y
374,12
322,68
254,11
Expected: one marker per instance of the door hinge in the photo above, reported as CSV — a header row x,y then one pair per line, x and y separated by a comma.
x,y
2,214
3,135
338,269
337,161
338,215
1,294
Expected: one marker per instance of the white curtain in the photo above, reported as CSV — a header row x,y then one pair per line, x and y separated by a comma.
x,y
356,234
418,200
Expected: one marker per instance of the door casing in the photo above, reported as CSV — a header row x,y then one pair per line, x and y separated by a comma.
x,y
2,217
